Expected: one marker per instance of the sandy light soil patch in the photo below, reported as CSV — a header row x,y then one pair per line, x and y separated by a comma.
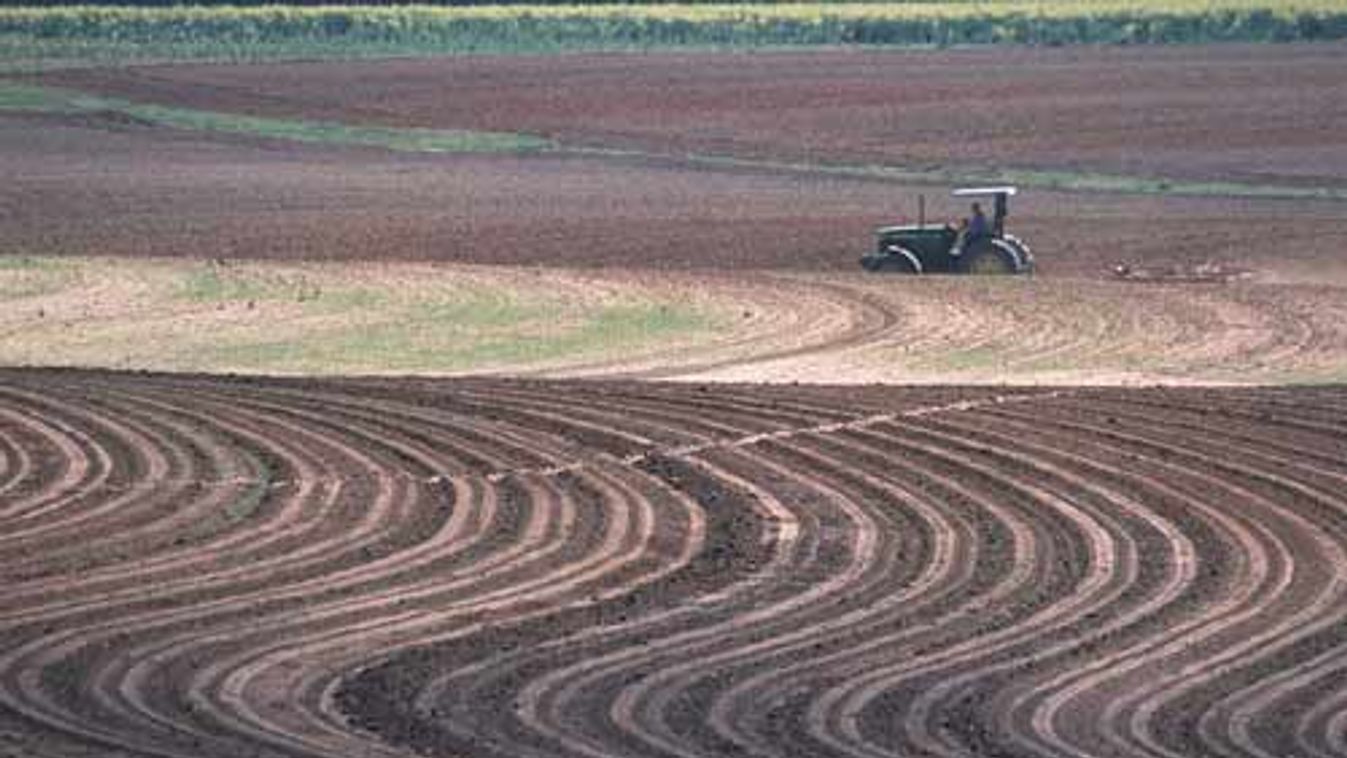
x,y
230,315
418,318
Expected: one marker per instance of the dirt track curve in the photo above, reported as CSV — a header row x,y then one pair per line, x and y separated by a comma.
x,y
203,566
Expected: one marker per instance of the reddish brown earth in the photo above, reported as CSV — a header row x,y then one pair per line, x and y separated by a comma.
x,y
77,186
1259,114
196,566
1269,114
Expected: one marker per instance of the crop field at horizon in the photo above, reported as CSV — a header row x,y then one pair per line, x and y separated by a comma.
x,y
64,35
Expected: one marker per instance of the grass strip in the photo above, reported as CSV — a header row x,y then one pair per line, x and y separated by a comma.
x,y
22,97
1065,181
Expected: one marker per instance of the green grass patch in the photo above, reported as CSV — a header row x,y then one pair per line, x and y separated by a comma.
x,y
212,286
24,97
1072,181
409,140
481,331
24,276
29,263
222,285
329,318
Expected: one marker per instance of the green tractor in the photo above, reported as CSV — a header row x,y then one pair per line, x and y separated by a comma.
x,y
923,248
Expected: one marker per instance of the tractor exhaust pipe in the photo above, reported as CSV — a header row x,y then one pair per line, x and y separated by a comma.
x,y
921,210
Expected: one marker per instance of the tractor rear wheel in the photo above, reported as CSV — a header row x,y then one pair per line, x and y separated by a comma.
x,y
989,260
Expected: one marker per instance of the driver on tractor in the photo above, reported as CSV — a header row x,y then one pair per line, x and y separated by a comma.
x,y
971,230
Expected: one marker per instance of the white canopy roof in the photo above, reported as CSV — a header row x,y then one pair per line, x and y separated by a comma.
x,y
967,191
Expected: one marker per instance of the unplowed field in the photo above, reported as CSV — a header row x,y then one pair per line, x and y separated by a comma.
x,y
213,567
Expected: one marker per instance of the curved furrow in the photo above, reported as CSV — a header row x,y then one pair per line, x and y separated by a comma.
x,y
781,640
820,638
887,620
1087,658
97,643
1083,652
1324,729
21,451
839,317
900,639
1308,455
300,506
862,716
432,433
253,672
526,568
1314,563
82,465
526,702
933,561
1266,411
243,605
593,588
192,480
832,552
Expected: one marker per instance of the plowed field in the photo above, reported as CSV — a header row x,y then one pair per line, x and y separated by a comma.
x,y
81,187
1269,113
568,566
1257,115
212,567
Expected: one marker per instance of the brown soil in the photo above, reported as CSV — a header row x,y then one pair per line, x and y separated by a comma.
x,y
76,188
1267,113
197,566
1258,114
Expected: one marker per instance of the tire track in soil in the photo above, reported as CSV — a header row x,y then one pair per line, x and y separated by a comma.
x,y
492,567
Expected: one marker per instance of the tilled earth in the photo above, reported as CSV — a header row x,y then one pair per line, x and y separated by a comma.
x,y
1262,114
198,566
95,184
81,186
207,566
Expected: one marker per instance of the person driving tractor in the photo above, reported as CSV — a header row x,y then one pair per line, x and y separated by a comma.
x,y
971,230
976,226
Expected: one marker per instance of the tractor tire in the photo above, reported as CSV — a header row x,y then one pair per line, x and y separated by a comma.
x,y
990,259
900,260
1022,250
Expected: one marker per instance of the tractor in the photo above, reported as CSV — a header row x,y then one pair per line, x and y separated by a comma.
x,y
923,248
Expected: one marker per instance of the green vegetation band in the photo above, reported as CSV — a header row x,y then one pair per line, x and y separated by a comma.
x,y
467,28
